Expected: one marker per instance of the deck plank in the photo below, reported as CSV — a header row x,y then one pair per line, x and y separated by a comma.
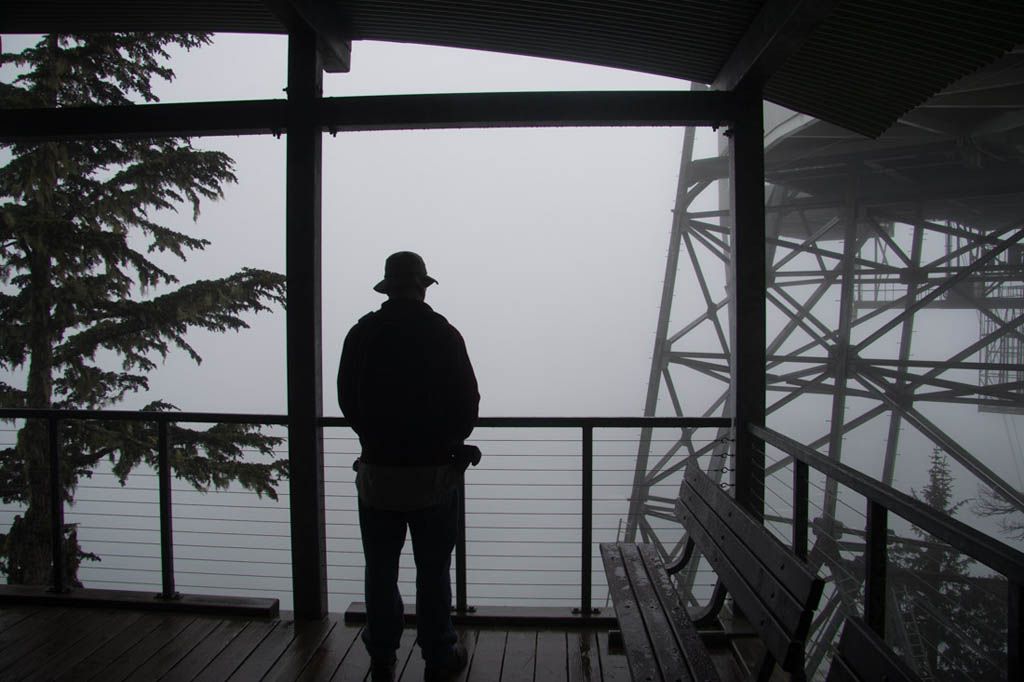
x,y
61,640
487,656
36,637
11,615
24,636
112,648
309,635
551,657
122,667
237,651
266,654
331,652
193,663
57,643
520,656
583,657
116,623
176,649
355,666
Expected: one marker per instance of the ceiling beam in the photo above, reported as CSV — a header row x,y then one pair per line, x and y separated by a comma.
x,y
777,32
332,34
389,112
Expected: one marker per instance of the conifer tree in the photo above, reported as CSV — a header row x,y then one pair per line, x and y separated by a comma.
x,y
957,613
79,284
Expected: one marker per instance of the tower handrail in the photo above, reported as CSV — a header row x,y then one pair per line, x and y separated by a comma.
x,y
881,500
985,549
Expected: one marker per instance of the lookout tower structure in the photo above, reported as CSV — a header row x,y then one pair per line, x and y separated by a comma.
x,y
895,296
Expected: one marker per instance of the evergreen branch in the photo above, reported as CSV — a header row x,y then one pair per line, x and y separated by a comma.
x,y
99,68
225,460
87,386
13,484
160,174
144,327
12,397
208,459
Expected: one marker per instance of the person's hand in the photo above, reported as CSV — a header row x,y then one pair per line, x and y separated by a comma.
x,y
466,455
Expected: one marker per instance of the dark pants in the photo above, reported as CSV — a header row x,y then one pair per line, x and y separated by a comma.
x,y
433,531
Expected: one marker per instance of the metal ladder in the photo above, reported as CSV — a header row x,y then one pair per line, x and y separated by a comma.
x,y
916,651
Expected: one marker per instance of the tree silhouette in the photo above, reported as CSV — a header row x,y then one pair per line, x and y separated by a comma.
x,y
1008,515
953,615
79,286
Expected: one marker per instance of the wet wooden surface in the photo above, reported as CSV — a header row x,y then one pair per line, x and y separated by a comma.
x,y
74,643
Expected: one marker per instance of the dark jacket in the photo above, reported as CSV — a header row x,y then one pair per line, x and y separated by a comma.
x,y
406,385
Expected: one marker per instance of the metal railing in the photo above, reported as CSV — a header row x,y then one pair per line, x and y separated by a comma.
x,y
162,420
584,447
881,500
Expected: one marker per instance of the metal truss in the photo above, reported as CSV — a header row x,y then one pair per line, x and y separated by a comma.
x,y
854,275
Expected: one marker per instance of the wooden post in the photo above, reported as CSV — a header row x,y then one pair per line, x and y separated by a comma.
x,y
587,531
747,278
801,496
305,395
166,515
875,565
56,507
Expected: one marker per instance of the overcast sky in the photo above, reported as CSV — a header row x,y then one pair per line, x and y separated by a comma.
x,y
549,244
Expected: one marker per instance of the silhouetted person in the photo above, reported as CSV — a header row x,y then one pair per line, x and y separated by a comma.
x,y
407,387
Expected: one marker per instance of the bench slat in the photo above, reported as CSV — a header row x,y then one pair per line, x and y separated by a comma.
x,y
797,576
696,653
639,653
780,620
761,573
661,634
781,645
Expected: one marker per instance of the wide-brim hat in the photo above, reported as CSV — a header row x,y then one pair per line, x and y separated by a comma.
x,y
402,269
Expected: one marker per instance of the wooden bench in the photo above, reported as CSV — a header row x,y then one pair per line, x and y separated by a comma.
x,y
774,589
863,656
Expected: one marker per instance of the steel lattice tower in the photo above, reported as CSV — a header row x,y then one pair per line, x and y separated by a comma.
x,y
868,240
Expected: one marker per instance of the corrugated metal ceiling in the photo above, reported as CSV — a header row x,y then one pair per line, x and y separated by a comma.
x,y
867,64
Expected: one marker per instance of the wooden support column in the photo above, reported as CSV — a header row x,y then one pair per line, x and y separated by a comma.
x,y
305,395
747,283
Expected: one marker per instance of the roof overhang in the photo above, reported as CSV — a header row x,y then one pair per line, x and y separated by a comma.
x,y
860,64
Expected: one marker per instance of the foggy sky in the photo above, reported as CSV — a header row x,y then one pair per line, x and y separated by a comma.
x,y
549,244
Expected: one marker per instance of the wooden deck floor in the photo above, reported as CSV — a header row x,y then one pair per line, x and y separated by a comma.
x,y
79,644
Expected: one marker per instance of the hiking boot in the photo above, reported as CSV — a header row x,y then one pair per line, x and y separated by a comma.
x,y
448,667
382,669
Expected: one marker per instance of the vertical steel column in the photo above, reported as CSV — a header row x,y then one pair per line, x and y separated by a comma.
x,y
747,281
305,396
662,347
914,277
56,506
588,520
875,559
166,527
840,354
